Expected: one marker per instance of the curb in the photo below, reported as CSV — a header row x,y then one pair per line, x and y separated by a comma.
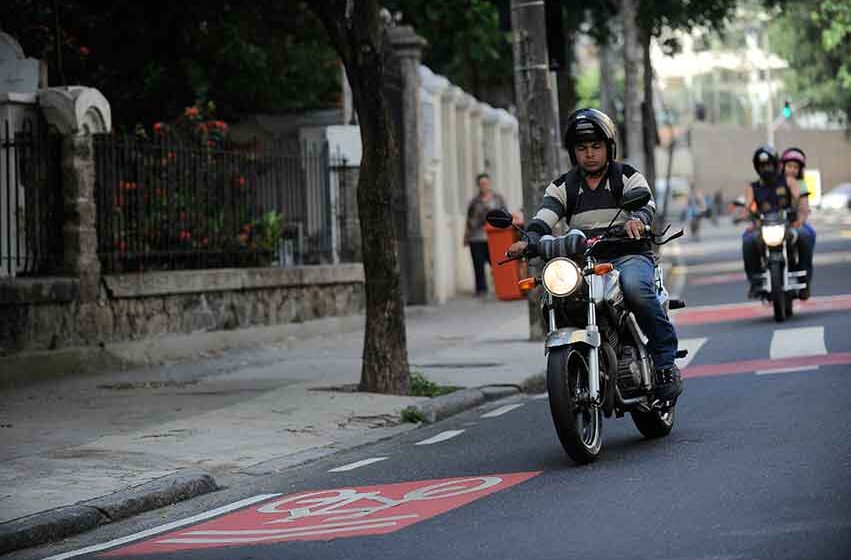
x,y
60,523
444,406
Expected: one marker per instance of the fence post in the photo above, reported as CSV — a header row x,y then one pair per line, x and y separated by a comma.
x,y
416,247
77,113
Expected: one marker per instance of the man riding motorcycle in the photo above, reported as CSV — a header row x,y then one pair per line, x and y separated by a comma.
x,y
771,193
587,198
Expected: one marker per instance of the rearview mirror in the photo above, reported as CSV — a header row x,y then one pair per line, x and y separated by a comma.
x,y
499,218
635,199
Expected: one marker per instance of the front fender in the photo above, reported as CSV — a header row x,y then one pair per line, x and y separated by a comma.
x,y
567,336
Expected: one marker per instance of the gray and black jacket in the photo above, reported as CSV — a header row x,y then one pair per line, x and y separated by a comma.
x,y
569,198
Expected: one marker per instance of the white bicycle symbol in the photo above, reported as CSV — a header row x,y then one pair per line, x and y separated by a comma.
x,y
348,503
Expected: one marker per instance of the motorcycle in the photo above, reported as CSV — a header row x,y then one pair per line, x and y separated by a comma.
x,y
597,359
780,284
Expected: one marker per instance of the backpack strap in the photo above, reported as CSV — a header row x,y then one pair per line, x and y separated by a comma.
x,y
616,180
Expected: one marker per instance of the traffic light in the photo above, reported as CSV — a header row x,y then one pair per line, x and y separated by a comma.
x,y
787,110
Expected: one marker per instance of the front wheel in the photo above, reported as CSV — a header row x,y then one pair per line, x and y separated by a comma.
x,y
778,295
655,423
579,425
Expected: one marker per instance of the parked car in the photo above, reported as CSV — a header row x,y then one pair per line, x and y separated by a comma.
x,y
837,198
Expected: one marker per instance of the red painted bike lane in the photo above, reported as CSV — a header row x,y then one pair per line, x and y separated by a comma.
x,y
330,514
755,310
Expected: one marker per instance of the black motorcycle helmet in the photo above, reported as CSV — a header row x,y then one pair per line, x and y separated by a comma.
x,y
590,124
763,154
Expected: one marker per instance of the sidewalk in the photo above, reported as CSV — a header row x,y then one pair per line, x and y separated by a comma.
x,y
248,411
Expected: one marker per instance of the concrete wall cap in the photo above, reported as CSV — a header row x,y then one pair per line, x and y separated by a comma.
x,y
76,110
433,83
19,98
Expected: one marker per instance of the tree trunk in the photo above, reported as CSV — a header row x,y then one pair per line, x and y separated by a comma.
x,y
360,40
607,79
566,83
648,120
632,85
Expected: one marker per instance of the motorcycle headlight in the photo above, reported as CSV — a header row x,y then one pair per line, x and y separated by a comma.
x,y
561,277
774,234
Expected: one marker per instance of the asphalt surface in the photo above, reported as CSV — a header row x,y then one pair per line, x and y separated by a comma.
x,y
757,466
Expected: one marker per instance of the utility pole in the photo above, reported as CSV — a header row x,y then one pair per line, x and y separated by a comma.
x,y
634,141
534,90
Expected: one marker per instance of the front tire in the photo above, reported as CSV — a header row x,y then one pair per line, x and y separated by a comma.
x,y
778,296
654,424
579,425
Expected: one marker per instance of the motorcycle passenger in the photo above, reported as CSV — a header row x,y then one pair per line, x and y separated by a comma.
x,y
587,198
794,160
770,193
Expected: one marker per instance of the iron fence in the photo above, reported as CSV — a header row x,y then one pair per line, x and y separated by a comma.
x,y
30,200
166,206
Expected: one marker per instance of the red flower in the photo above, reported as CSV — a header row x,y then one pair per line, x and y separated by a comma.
x,y
121,245
159,127
185,235
240,181
119,201
243,238
191,112
85,51
205,241
172,156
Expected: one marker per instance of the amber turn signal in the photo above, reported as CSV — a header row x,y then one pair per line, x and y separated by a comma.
x,y
527,284
603,268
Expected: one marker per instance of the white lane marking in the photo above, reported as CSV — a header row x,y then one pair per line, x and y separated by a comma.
x,y
786,370
353,466
236,540
693,345
442,436
792,343
501,410
164,528
541,397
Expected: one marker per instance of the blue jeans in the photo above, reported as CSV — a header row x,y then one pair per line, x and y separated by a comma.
x,y
639,289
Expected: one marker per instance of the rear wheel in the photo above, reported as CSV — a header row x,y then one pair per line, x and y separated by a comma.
x,y
778,296
579,425
654,424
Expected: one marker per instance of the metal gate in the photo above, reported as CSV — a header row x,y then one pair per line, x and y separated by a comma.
x,y
30,199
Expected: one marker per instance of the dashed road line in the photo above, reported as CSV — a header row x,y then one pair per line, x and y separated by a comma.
x,y
356,464
541,397
790,343
442,436
501,410
786,370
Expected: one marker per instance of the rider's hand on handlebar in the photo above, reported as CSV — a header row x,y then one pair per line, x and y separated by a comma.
x,y
516,249
634,228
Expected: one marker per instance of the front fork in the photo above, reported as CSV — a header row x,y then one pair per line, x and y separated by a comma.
x,y
593,357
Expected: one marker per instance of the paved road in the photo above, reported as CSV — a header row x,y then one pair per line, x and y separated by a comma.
x,y
757,466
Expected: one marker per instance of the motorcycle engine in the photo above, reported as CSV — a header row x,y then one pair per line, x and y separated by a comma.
x,y
629,373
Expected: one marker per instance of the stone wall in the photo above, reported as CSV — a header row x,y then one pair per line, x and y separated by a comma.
x,y
47,314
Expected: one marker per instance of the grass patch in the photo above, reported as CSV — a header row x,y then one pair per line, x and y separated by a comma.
x,y
421,386
412,415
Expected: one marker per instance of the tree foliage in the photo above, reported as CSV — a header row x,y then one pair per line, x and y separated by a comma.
x,y
814,36
466,41
152,59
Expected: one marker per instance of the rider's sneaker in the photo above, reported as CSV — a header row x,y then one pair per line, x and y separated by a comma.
x,y
755,291
804,294
669,383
